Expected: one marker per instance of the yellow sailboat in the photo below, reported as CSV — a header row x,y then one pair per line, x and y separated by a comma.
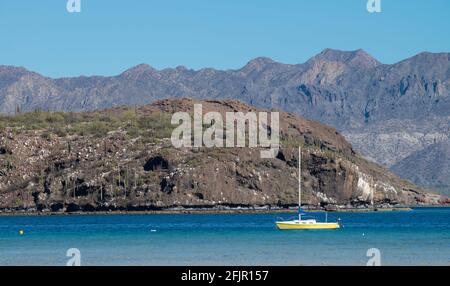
x,y
304,224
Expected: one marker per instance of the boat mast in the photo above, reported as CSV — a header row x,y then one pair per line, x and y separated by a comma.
x,y
299,182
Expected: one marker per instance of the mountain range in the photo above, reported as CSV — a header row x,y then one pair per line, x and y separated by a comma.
x,y
391,113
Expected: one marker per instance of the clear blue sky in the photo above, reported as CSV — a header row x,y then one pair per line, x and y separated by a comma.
x,y
109,36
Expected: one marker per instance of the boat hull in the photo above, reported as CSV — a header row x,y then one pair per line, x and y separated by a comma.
x,y
301,226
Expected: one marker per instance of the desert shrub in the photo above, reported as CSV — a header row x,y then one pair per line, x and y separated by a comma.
x,y
133,131
18,203
97,129
128,115
60,131
8,164
55,118
46,135
79,129
159,126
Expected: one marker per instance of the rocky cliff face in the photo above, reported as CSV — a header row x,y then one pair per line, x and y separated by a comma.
x,y
387,111
122,159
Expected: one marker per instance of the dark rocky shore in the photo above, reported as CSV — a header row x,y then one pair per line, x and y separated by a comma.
x,y
212,210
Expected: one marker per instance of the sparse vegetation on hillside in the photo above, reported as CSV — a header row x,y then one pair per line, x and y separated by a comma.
x,y
96,124
115,160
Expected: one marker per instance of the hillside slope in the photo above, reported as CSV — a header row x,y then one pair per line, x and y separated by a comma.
x,y
122,159
435,163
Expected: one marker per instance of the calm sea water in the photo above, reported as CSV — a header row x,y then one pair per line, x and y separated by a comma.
x,y
419,237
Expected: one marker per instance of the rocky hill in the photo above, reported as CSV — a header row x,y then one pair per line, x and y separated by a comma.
x,y
434,161
122,159
388,112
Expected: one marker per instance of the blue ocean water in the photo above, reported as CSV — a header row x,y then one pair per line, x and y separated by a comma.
x,y
418,237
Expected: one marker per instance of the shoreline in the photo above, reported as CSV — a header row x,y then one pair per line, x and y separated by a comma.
x,y
217,211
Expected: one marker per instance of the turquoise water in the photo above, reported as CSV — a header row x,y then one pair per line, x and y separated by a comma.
x,y
419,237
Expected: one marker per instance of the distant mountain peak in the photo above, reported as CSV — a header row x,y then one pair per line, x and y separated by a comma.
x,y
257,64
261,60
355,58
139,69
12,69
429,57
181,68
11,74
